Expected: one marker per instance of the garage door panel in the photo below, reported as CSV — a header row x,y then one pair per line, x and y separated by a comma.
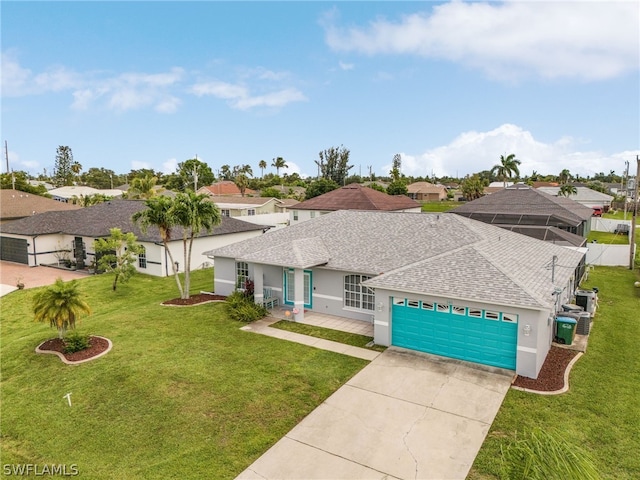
x,y
480,340
14,250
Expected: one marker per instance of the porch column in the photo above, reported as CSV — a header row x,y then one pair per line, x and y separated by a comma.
x,y
298,302
258,284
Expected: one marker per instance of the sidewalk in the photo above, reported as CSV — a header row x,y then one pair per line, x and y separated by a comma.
x,y
262,327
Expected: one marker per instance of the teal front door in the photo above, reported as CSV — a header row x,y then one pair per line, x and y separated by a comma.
x,y
289,287
475,335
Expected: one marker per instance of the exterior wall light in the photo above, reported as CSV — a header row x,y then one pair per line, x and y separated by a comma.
x,y
527,330
380,306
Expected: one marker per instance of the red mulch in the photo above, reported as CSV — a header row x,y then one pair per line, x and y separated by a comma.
x,y
98,345
551,376
195,299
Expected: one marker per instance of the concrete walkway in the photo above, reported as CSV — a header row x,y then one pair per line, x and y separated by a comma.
x,y
262,327
404,416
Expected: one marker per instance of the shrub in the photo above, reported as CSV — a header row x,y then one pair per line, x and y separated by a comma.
x,y
74,342
243,309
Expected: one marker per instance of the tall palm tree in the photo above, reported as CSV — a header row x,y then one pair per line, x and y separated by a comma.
x,y
60,305
279,163
242,182
262,165
159,214
566,190
194,213
507,167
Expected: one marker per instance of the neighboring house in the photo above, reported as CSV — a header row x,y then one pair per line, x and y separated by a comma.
x,y
225,187
426,192
54,237
66,194
266,211
438,283
526,207
37,183
351,197
15,204
585,196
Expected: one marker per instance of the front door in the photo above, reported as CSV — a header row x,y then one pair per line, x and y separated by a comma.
x,y
289,287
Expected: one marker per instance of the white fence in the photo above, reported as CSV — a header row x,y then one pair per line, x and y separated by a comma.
x,y
605,254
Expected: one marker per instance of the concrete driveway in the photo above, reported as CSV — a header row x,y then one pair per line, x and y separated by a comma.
x,y
406,415
32,277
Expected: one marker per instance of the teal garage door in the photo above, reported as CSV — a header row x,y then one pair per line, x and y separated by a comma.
x,y
481,336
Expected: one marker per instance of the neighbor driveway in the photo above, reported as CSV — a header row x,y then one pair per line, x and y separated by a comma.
x,y
405,415
11,272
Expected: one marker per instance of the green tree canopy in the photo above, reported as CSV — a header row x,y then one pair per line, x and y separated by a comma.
x,y
279,163
507,167
194,174
20,181
60,305
334,164
118,254
62,171
473,187
397,187
320,187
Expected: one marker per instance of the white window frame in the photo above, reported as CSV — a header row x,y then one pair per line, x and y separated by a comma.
x,y
491,315
295,215
242,273
443,308
458,310
413,303
510,317
251,212
357,296
225,212
142,257
427,306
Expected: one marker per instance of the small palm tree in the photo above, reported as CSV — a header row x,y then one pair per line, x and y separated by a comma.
x,y
242,182
262,165
60,305
507,167
279,163
565,176
143,187
566,190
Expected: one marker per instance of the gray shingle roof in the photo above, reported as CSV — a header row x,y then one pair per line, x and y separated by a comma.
x,y
440,254
522,200
357,197
97,220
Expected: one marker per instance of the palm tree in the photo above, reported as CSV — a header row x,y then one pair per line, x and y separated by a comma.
x,y
564,176
60,305
159,213
143,187
194,213
507,167
262,165
279,163
567,190
242,182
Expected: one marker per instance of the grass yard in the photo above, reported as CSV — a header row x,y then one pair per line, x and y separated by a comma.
x,y
618,215
328,334
608,238
443,206
601,411
183,394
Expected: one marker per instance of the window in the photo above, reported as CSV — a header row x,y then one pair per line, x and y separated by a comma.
x,y
357,295
510,317
398,301
242,273
427,305
224,212
475,313
251,212
312,214
442,308
295,215
142,257
489,315
413,303
457,310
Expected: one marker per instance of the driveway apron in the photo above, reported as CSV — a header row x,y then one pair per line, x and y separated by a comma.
x,y
406,415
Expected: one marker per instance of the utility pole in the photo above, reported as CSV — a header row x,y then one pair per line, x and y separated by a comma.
x,y
632,233
6,154
626,187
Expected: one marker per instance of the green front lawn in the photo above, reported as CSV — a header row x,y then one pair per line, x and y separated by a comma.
x,y
328,334
608,238
443,206
601,411
183,394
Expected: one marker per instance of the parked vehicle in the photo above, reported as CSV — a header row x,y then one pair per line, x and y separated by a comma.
x,y
597,211
622,229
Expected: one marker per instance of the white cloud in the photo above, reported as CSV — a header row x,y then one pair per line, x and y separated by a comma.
x,y
346,66
18,81
169,166
473,152
586,40
240,97
138,165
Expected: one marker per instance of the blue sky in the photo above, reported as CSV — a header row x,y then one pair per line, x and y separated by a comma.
x,y
451,86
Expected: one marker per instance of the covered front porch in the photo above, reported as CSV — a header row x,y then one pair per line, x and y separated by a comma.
x,y
360,327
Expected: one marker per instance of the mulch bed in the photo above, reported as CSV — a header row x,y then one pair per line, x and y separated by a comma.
x,y
98,345
195,299
551,377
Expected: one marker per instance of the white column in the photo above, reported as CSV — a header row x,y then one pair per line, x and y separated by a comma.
x,y
298,303
258,285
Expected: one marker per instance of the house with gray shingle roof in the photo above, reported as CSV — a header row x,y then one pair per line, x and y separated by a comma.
x,y
534,212
437,283
351,197
53,237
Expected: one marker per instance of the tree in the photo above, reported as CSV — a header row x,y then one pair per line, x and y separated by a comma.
x,y
159,214
242,182
334,164
88,200
62,172
20,181
397,187
377,187
279,163
194,213
102,178
320,187
225,172
60,305
507,167
142,187
262,165
473,187
76,168
567,190
270,192
193,174
564,176
119,253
